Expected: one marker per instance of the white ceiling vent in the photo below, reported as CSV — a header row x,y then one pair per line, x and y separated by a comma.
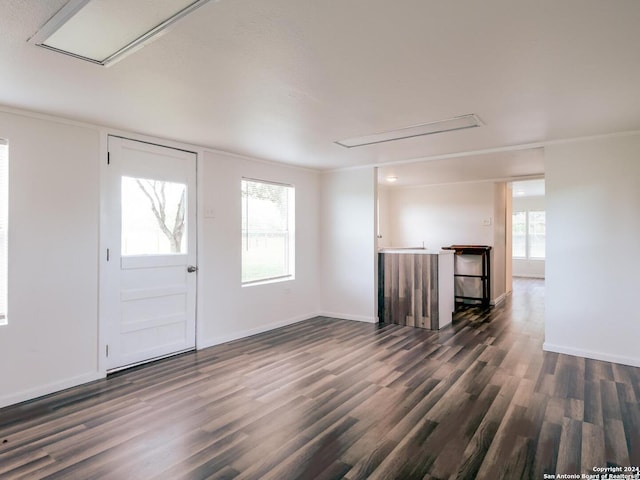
x,y
105,31
457,123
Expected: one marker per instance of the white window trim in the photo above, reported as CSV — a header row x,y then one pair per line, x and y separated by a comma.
x,y
4,225
527,257
291,234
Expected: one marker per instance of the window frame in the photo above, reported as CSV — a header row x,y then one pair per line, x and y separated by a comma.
x,y
289,256
513,214
527,236
4,227
161,205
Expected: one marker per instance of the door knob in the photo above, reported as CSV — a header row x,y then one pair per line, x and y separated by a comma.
x,y
192,268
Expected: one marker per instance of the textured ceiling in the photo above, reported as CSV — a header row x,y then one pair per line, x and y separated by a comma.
x,y
283,79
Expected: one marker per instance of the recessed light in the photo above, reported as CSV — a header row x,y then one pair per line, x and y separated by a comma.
x,y
457,123
392,178
104,31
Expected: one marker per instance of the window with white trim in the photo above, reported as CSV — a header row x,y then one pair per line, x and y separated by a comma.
x,y
528,234
268,225
4,200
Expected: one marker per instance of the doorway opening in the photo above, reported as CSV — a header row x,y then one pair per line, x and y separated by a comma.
x,y
528,229
149,264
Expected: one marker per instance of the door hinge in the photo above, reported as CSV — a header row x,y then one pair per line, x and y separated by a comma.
x,y
107,350
108,158
107,254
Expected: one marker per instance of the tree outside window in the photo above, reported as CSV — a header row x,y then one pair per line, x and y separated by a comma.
x,y
153,217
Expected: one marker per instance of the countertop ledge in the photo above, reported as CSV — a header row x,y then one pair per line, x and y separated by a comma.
x,y
422,251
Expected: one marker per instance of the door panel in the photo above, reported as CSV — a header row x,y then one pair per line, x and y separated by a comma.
x,y
149,296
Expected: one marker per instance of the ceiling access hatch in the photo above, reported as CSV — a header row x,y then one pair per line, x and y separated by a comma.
x,y
105,31
449,125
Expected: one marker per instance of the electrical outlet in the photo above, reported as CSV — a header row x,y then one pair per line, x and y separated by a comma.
x,y
486,222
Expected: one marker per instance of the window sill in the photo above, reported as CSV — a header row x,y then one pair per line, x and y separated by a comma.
x,y
267,281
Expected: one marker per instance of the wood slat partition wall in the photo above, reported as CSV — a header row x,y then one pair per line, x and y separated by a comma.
x,y
409,286
329,398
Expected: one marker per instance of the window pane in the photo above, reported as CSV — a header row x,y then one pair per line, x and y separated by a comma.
x,y
519,240
153,217
536,234
267,231
4,199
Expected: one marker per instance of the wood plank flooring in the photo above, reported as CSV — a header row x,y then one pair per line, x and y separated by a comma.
x,y
329,398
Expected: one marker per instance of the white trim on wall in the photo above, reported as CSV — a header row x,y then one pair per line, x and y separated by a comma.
x,y
577,352
210,342
346,316
507,148
498,301
49,388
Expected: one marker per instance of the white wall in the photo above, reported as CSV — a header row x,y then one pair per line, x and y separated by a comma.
x,y
523,267
593,227
348,246
499,243
384,228
231,311
442,215
50,343
508,226
51,340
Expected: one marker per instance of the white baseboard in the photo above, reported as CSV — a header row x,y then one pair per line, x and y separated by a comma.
x,y
210,342
40,391
346,316
499,300
528,275
18,397
606,357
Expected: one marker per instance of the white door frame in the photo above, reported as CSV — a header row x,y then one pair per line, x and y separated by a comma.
x,y
104,238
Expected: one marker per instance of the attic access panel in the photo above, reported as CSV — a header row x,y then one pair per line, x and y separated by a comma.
x,y
104,31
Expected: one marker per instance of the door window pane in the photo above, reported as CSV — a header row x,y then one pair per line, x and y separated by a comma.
x,y
153,217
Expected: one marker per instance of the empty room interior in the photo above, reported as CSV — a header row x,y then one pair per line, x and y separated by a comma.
x,y
302,239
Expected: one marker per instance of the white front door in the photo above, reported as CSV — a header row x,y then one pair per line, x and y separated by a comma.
x,y
148,296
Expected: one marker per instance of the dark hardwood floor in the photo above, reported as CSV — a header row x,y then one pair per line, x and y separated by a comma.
x,y
330,398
